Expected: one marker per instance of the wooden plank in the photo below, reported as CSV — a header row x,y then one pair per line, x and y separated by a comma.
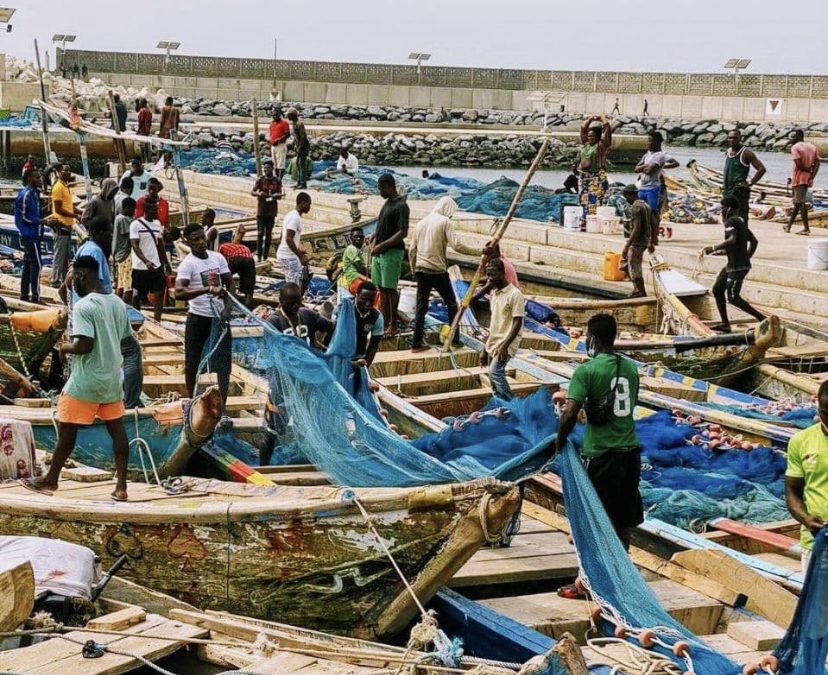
x,y
552,615
536,568
17,588
762,636
244,402
163,359
175,380
763,596
85,474
120,620
160,342
33,402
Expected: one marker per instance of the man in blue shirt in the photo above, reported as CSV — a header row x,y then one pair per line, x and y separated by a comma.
x,y
29,225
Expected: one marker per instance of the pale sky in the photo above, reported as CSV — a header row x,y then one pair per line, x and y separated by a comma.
x,y
638,35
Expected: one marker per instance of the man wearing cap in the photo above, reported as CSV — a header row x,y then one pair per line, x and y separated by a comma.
x,y
302,147
640,238
278,137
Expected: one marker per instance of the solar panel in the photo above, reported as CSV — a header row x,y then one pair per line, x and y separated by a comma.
x,y
731,63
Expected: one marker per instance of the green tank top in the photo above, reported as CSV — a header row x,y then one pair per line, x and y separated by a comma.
x,y
734,171
590,153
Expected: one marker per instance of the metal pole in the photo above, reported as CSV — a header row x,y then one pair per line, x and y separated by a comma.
x,y
47,149
120,146
275,49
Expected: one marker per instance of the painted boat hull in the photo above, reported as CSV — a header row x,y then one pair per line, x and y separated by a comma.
x,y
297,555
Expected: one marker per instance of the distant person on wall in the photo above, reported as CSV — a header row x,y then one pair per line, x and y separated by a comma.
x,y
75,71
649,171
739,245
646,110
64,214
84,73
278,136
145,127
267,191
591,167
616,109
290,255
738,161
805,168
29,225
170,119
301,144
389,249
640,239
347,163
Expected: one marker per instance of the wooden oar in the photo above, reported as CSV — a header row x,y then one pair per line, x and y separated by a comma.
x,y
464,305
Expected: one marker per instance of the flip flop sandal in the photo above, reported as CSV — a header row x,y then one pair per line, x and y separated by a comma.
x,y
29,484
804,233
119,499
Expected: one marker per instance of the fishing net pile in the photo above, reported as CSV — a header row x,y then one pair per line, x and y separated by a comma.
x,y
329,417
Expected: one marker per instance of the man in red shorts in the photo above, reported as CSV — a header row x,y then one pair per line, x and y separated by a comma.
x,y
94,388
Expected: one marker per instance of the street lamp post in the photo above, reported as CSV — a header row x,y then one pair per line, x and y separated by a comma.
x,y
419,57
62,38
168,47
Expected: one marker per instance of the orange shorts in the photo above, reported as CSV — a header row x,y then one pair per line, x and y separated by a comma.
x,y
71,410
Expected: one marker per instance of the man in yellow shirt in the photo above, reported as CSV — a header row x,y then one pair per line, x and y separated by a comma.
x,y
63,218
806,479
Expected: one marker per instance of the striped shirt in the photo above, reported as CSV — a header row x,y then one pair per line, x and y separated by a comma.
x,y
231,250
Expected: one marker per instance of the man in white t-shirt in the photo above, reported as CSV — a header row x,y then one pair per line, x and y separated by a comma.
x,y
203,280
347,163
290,255
649,170
149,259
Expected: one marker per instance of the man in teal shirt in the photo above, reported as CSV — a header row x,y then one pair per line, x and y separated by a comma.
x,y
94,388
611,449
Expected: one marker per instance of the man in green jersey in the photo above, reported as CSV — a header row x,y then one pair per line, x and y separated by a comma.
x,y
806,478
611,450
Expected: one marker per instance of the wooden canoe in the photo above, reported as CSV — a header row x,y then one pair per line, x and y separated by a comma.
x,y
301,555
714,178
792,368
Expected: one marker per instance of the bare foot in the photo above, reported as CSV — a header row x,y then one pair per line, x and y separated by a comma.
x,y
119,495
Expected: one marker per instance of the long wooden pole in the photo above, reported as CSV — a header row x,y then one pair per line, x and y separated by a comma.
x,y
255,109
510,214
119,143
44,119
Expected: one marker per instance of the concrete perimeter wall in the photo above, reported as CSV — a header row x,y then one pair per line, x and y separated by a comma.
x,y
682,95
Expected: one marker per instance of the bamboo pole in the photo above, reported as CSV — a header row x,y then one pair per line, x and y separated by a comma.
x,y
44,120
464,305
255,110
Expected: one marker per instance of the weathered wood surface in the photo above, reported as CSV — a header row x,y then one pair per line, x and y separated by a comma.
x,y
300,554
17,588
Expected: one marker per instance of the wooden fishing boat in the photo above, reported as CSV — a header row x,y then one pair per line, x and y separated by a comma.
x,y
303,555
714,178
794,368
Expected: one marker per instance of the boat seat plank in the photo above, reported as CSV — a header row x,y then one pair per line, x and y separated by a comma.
x,y
161,342
511,570
178,379
236,403
517,388
781,560
163,359
552,615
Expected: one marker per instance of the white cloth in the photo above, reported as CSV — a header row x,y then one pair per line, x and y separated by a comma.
x,y
351,164
292,223
432,236
60,567
17,449
279,155
148,234
201,273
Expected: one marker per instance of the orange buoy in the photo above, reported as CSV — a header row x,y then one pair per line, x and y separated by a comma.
x,y
620,632
681,649
596,615
647,637
769,661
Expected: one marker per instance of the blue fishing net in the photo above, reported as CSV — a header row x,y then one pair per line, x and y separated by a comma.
x,y
801,417
616,585
804,648
332,420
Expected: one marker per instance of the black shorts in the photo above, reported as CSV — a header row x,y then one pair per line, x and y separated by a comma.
x,y
148,281
246,269
615,476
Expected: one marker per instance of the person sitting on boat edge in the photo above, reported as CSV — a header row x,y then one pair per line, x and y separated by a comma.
x,y
204,280
640,239
347,163
806,477
99,324
427,251
739,245
240,261
354,268
506,304
606,387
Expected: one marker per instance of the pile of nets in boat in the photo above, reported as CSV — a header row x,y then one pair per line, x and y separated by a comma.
x,y
330,418
801,416
804,648
616,585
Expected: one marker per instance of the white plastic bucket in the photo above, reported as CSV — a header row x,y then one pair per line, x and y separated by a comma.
x,y
605,212
818,254
572,218
408,300
610,224
593,224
